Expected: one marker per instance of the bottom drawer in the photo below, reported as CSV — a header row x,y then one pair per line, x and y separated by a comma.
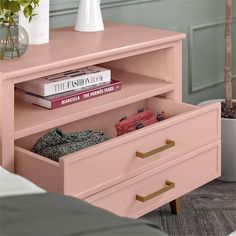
x,y
162,184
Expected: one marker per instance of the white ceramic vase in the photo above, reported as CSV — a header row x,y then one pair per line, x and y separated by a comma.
x,y
38,28
228,146
89,17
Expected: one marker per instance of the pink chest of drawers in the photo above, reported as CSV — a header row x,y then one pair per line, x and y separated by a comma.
x,y
131,174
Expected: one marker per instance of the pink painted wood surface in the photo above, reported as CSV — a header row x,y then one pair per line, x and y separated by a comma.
x,y
164,63
154,64
31,119
114,161
68,47
194,170
176,68
41,171
7,124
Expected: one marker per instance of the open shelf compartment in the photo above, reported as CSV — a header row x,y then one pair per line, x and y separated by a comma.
x,y
30,119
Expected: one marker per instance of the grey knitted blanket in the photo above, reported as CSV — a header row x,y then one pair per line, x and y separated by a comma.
x,y
56,143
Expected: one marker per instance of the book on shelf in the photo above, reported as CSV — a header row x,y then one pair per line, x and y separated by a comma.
x,y
63,99
67,81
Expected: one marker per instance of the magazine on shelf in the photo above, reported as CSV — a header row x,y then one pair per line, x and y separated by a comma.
x,y
63,99
67,81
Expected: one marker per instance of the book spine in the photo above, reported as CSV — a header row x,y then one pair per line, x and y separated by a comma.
x,y
85,95
77,82
21,95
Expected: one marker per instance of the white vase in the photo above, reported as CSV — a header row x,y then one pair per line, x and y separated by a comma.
x,y
228,146
89,17
38,28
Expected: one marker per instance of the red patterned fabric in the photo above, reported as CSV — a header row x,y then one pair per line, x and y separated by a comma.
x,y
136,121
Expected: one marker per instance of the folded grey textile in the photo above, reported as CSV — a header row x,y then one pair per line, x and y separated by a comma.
x,y
56,143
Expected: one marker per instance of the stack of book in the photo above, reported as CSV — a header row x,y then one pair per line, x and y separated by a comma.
x,y
68,87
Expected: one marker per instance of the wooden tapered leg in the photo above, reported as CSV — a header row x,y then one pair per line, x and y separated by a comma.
x,y
176,206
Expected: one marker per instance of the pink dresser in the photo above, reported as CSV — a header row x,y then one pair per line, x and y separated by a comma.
x,y
132,174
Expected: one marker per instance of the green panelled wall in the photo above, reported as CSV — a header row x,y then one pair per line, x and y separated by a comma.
x,y
202,21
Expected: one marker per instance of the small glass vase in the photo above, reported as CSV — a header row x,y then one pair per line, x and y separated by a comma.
x,y
13,41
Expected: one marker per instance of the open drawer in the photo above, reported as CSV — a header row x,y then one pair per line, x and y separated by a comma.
x,y
88,171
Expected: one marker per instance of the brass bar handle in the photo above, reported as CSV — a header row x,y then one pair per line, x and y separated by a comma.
x,y
168,144
168,185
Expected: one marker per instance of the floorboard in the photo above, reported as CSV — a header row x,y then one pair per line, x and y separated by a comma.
x,y
207,211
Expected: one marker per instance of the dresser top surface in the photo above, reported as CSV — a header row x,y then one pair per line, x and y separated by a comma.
x,y
67,46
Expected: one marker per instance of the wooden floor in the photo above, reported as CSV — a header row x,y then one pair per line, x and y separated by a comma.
x,y
209,211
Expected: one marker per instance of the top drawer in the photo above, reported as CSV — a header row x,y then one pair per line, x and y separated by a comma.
x,y
93,169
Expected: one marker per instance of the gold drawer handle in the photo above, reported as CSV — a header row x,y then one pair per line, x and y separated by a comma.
x,y
168,144
168,185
